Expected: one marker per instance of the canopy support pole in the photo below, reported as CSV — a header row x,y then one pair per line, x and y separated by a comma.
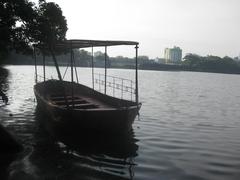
x,y
44,69
136,75
72,75
35,63
56,65
59,73
75,67
105,84
92,70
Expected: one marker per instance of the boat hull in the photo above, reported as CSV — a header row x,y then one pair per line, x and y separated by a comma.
x,y
118,117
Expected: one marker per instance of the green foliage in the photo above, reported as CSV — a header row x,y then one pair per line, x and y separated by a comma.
x,y
192,60
13,16
99,59
22,24
83,58
211,64
143,59
49,25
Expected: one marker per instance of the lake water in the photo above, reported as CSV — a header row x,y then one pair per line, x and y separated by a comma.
x,y
188,129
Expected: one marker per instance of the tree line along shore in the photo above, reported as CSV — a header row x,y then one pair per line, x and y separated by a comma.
x,y
83,58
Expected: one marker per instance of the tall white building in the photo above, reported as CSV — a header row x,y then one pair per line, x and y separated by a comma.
x,y
173,55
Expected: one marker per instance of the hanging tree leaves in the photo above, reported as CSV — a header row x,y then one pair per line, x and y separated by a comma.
x,y
50,25
13,15
22,23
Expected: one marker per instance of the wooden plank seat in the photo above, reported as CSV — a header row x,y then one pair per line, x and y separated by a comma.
x,y
85,106
58,98
69,101
78,102
82,106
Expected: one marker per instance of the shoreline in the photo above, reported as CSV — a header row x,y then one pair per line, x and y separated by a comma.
x,y
179,69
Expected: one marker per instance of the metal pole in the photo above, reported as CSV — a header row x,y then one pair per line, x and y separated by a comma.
x,y
44,70
35,62
131,89
65,71
113,87
92,69
136,75
105,85
56,63
58,72
122,90
99,76
75,67
71,66
72,72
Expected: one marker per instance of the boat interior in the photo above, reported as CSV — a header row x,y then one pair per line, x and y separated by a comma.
x,y
77,102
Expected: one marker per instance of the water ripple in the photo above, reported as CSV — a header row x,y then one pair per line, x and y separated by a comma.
x,y
188,129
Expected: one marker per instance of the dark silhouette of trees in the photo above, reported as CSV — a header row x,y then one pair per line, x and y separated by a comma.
x,y
99,59
211,64
192,60
49,26
14,15
22,23
143,59
83,58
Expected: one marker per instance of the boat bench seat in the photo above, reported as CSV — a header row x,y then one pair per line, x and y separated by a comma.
x,y
83,106
78,102
59,98
69,101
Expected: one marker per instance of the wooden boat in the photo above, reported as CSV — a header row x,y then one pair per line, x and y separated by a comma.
x,y
74,107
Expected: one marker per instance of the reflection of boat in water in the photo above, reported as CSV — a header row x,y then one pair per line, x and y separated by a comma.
x,y
89,142
73,106
9,145
3,78
87,109
89,155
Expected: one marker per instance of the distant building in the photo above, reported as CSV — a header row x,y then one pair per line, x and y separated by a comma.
x,y
173,55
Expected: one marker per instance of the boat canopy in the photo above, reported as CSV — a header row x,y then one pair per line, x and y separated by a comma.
x,y
79,43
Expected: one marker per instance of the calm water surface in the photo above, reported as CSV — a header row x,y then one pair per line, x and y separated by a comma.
x,y
188,128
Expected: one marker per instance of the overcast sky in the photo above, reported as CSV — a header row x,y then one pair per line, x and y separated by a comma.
x,y
204,27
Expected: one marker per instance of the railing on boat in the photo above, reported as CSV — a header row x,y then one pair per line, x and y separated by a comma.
x,y
117,87
41,78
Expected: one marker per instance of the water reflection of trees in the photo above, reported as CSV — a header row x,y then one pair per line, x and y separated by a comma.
x,y
10,147
89,154
3,84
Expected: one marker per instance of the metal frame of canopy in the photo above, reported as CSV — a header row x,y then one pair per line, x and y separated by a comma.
x,y
77,44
